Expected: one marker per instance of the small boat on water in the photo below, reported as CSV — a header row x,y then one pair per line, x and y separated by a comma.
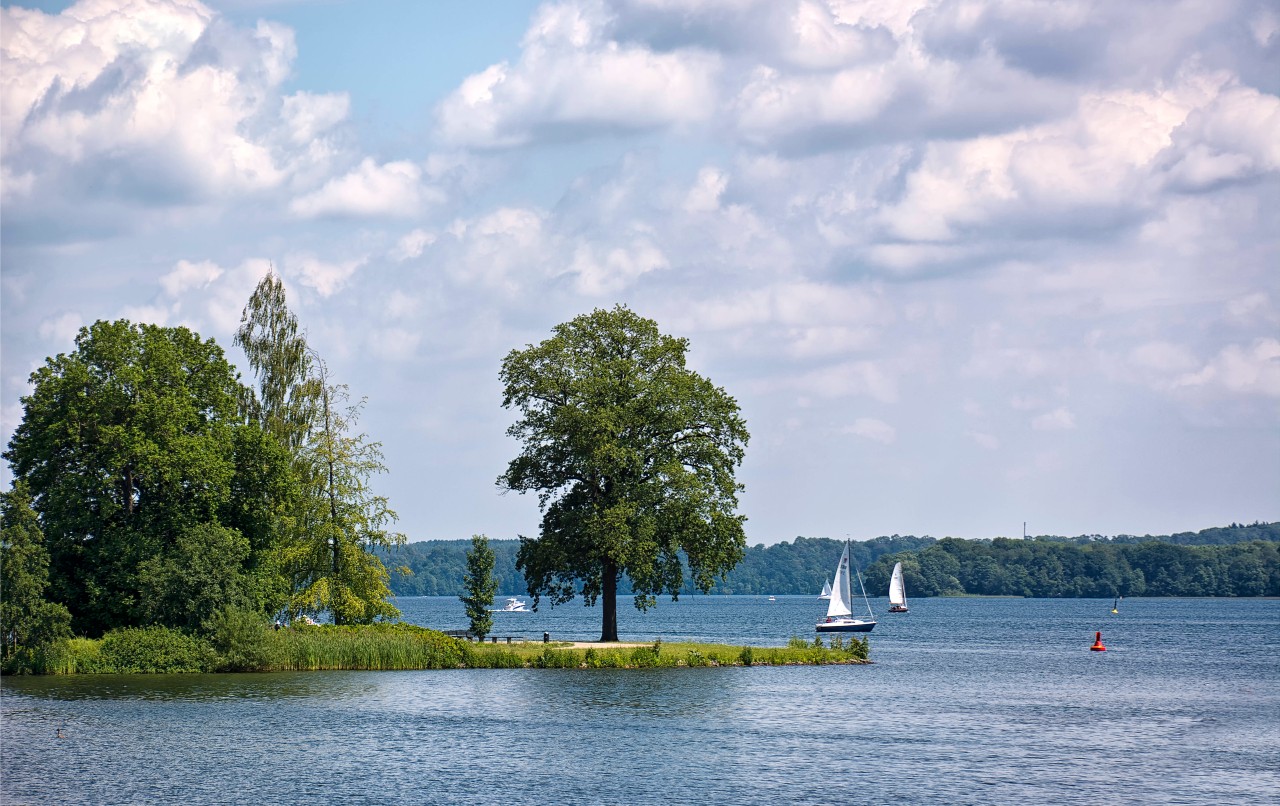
x,y
897,591
514,605
1115,606
773,598
839,608
826,590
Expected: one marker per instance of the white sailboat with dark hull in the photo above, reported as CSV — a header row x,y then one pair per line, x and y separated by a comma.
x,y
839,609
897,591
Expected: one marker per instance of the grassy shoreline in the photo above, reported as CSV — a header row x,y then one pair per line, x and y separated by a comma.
x,y
399,647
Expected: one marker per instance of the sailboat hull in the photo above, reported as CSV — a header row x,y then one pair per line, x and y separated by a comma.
x,y
897,608
846,625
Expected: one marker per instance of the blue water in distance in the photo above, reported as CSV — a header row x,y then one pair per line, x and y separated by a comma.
x,y
968,701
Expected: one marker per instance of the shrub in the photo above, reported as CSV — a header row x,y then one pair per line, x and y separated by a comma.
x,y
746,656
696,658
156,650
242,640
557,659
645,657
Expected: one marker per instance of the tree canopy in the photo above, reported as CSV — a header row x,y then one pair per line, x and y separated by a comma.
x,y
126,444
633,457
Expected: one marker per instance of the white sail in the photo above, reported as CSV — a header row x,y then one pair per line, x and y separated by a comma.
x,y
826,590
897,593
840,598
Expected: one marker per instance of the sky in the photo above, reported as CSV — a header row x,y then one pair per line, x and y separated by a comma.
x,y
964,265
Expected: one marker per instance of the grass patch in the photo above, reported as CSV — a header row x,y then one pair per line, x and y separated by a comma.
x,y
396,646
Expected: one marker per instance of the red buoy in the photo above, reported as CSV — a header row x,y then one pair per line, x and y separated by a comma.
x,y
1097,643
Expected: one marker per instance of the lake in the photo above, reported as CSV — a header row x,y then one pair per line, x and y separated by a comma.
x,y
968,701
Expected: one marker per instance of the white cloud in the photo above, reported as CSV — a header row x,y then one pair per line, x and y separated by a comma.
x,y
1253,370
61,330
1060,419
573,80
391,189
153,314
187,275
872,429
984,440
411,245
325,277
157,102
1162,357
705,194
600,272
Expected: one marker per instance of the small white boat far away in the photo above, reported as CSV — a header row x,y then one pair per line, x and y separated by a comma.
x,y
826,590
839,613
514,605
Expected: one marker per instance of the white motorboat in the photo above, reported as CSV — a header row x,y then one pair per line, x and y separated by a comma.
x,y
514,605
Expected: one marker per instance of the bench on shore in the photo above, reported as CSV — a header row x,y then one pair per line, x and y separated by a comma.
x,y
467,634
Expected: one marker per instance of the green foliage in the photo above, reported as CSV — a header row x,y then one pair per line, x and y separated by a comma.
x,y
633,458
125,444
480,586
285,403
1052,567
240,642
155,650
335,517
243,640
28,623
190,581
373,647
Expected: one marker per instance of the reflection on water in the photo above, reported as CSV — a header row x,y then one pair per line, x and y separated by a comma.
x,y
978,701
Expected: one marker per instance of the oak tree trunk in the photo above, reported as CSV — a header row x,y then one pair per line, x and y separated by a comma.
x,y
609,595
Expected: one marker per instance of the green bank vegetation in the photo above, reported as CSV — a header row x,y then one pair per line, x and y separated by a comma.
x,y
249,646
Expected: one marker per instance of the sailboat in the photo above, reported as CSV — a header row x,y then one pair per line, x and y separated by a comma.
x,y
897,592
826,590
839,613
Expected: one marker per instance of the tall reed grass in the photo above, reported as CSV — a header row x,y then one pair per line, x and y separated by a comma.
x,y
395,646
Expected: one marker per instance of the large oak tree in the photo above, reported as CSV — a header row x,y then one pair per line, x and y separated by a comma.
x,y
633,457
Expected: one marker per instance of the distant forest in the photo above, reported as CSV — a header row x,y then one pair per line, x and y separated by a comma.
x,y
1235,560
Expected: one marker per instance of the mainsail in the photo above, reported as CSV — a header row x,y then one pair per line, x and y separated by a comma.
x,y
897,593
840,598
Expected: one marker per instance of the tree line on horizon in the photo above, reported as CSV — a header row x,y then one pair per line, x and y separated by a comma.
x,y
1234,560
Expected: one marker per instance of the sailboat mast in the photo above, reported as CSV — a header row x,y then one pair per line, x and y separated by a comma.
x,y
865,600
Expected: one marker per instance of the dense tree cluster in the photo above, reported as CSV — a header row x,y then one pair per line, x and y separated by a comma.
x,y
153,488
1053,568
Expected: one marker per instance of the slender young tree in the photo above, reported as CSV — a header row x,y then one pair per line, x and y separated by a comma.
x,y
480,586
632,455
335,517
342,518
285,401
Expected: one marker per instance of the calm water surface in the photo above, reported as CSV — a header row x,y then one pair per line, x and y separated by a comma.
x,y
968,701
